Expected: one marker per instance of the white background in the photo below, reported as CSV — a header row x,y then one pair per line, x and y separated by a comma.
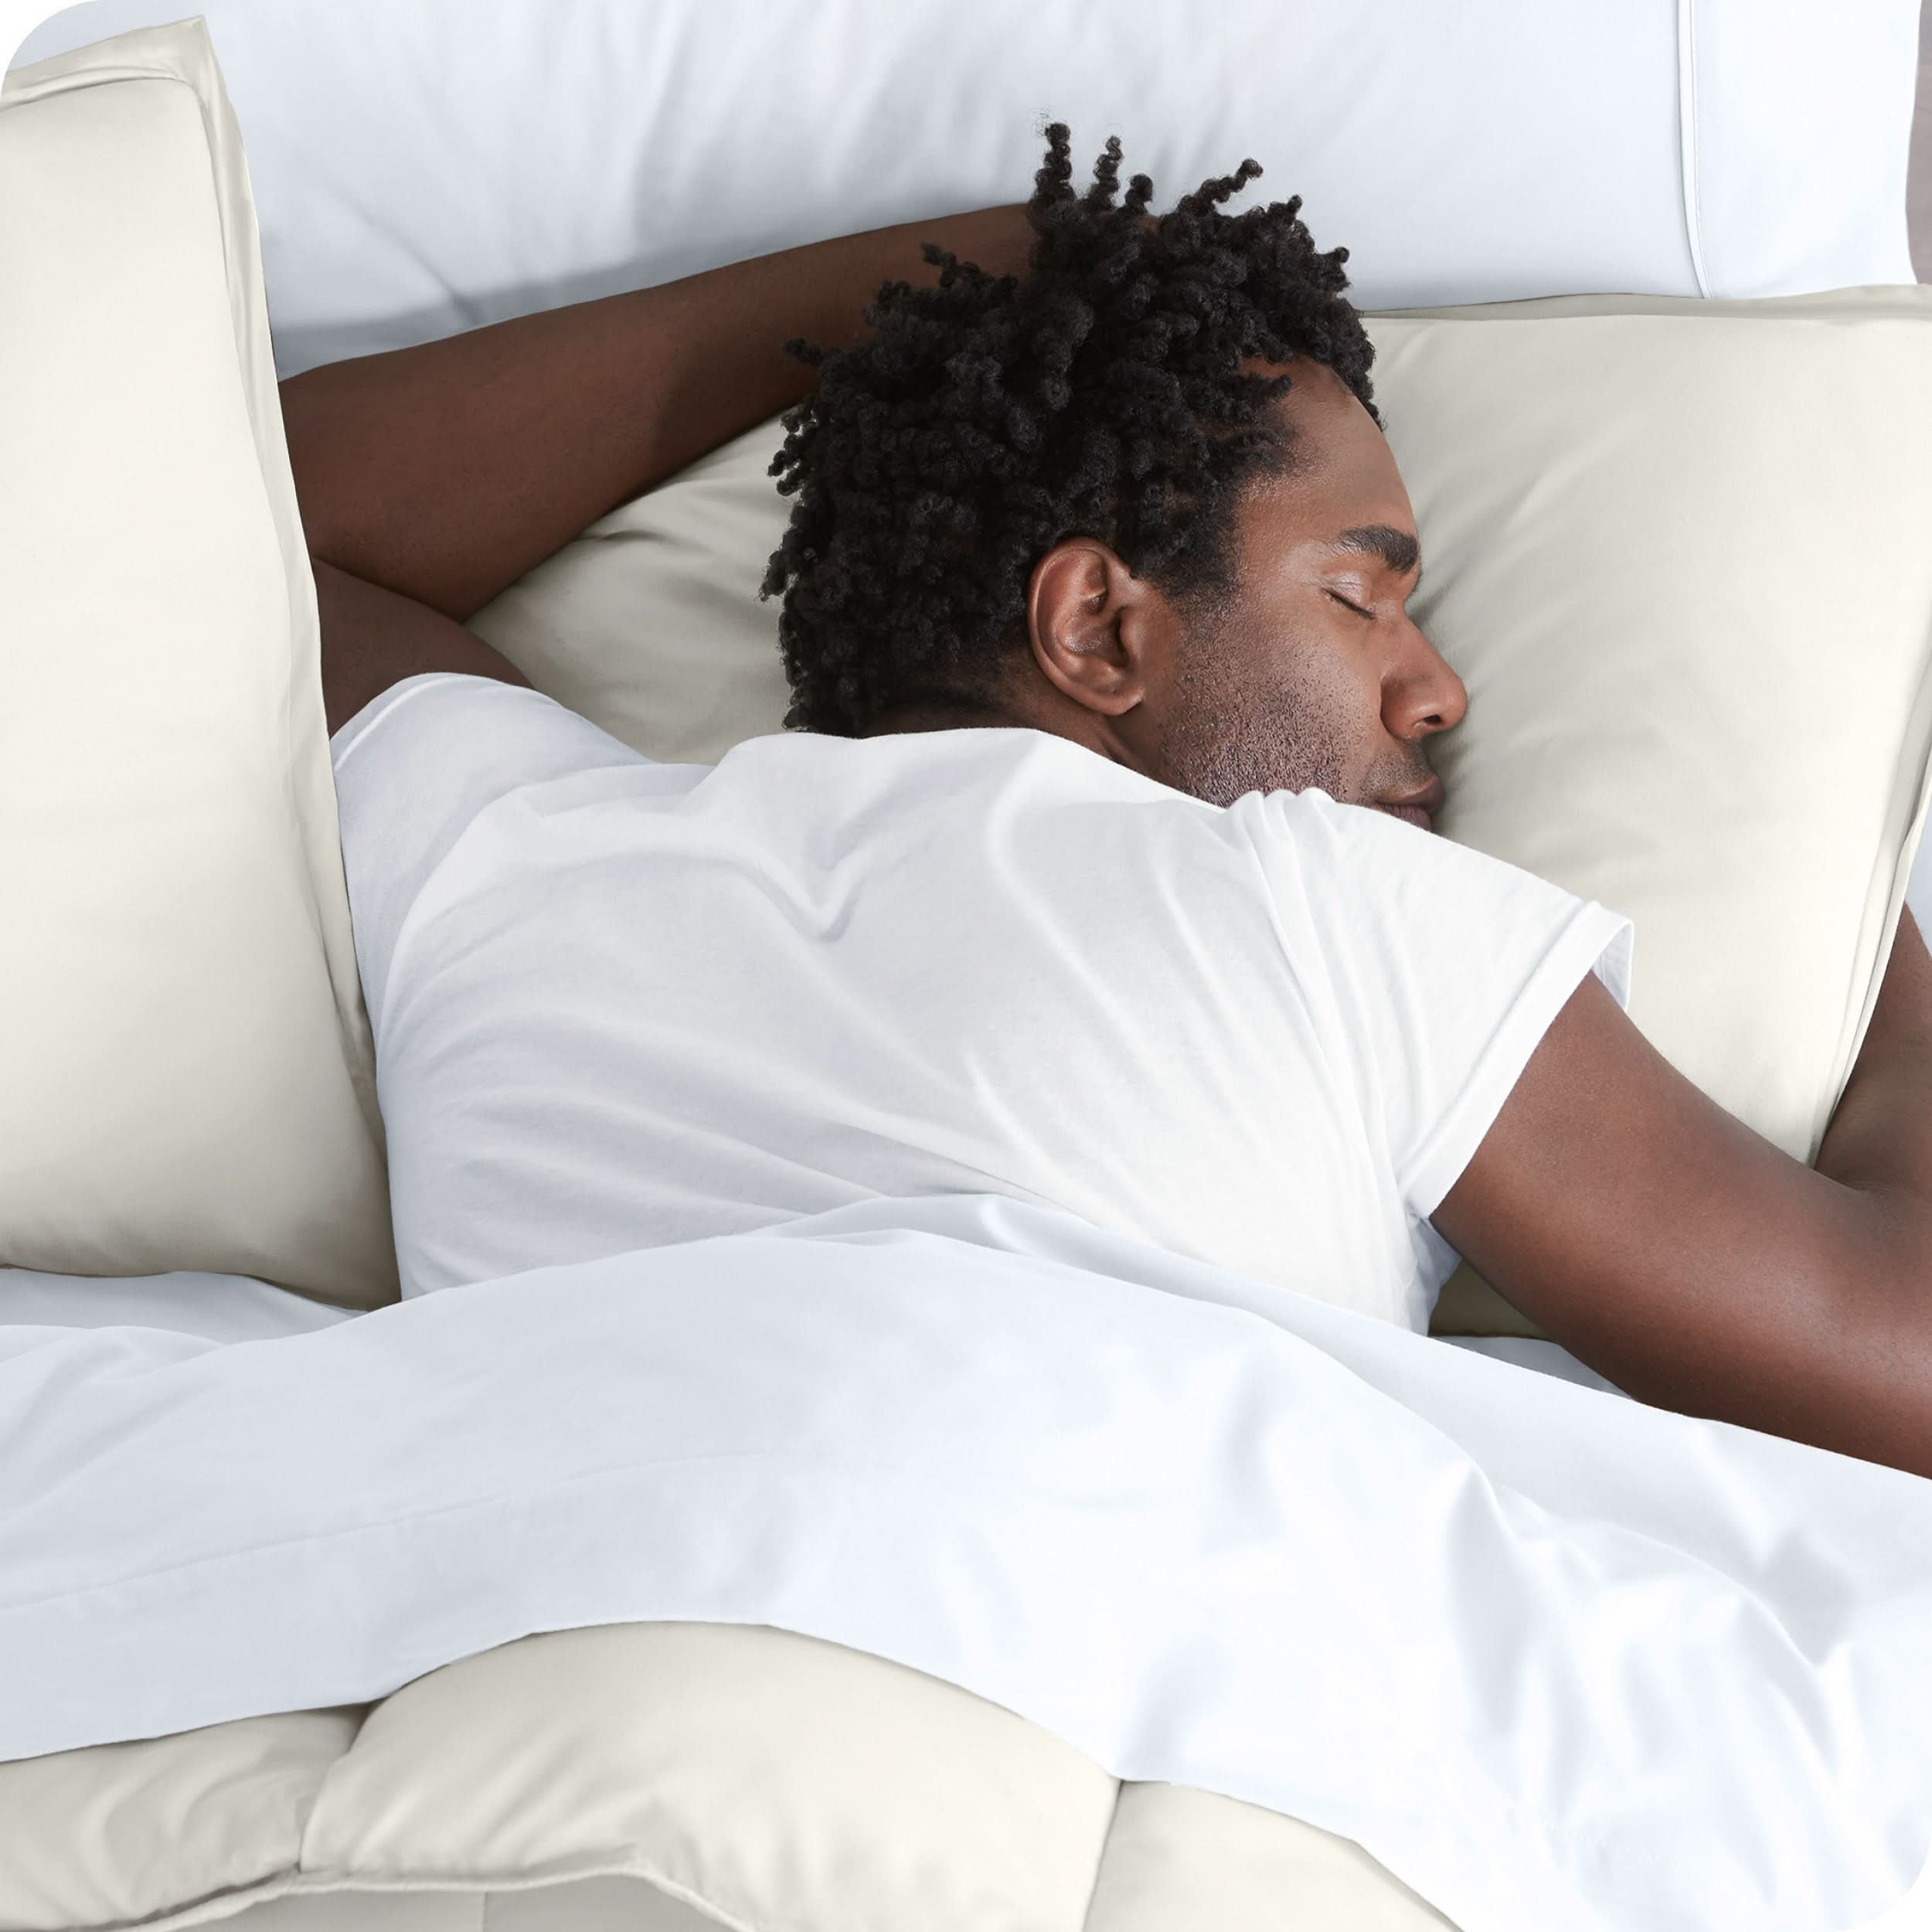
x,y
18,20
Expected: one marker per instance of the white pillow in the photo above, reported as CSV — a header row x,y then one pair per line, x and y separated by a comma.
x,y
1676,549
422,166
189,1076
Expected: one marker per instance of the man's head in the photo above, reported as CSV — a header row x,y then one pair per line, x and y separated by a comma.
x,y
1139,497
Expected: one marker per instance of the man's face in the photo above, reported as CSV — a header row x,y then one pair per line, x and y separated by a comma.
x,y
1310,672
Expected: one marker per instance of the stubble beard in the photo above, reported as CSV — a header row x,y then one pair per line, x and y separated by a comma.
x,y
1229,734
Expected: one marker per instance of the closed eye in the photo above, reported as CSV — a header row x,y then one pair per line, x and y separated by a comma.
x,y
1347,605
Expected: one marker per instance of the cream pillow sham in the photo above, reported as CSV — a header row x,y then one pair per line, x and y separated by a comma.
x,y
1677,551
189,1075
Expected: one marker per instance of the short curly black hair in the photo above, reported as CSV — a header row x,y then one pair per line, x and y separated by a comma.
x,y
985,420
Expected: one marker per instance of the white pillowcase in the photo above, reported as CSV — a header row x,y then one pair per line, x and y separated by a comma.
x,y
1676,550
422,166
190,1082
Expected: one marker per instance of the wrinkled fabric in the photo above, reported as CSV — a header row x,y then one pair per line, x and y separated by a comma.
x,y
619,1004
1554,1657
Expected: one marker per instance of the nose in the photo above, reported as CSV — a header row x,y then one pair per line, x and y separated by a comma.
x,y
1422,693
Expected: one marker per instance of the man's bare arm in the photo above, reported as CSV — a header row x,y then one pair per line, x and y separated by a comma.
x,y
1880,1135
373,638
1667,1246
445,471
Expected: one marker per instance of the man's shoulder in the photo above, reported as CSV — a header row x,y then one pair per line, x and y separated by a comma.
x,y
949,760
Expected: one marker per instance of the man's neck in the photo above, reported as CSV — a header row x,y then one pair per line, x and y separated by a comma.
x,y
931,717
966,713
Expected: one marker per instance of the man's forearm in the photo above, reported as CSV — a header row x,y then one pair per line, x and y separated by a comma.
x,y
446,470
1880,1136
1880,1141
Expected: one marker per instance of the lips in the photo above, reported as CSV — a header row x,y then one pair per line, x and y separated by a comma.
x,y
1419,808
1414,814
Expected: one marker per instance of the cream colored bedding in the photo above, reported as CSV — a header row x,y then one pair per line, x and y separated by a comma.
x,y
657,1777
190,1081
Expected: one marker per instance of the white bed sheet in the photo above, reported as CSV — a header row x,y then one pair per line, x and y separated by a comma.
x,y
220,1308
235,1308
1552,1659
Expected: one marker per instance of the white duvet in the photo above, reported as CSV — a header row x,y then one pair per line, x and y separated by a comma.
x,y
1554,1657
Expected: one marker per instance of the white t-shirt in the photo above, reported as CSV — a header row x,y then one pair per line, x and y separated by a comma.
x,y
619,1003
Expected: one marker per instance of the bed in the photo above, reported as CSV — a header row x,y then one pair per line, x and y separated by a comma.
x,y
645,1774
624,1764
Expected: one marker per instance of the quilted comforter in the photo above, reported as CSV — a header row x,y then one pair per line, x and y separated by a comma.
x,y
1548,1655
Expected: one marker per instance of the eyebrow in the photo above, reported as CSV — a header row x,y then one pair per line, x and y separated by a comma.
x,y
1397,548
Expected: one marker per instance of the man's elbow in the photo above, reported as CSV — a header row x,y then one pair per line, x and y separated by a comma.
x,y
1886,1415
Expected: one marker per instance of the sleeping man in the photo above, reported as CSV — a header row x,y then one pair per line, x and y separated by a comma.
x,y
1094,867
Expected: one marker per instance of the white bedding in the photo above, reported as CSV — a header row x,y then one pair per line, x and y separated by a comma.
x,y
1553,1659
219,1307
417,172
235,1307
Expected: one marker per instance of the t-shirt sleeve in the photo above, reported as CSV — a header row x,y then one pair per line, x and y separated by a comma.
x,y
1445,968
415,766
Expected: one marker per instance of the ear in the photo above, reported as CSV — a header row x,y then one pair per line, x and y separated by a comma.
x,y
1092,624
